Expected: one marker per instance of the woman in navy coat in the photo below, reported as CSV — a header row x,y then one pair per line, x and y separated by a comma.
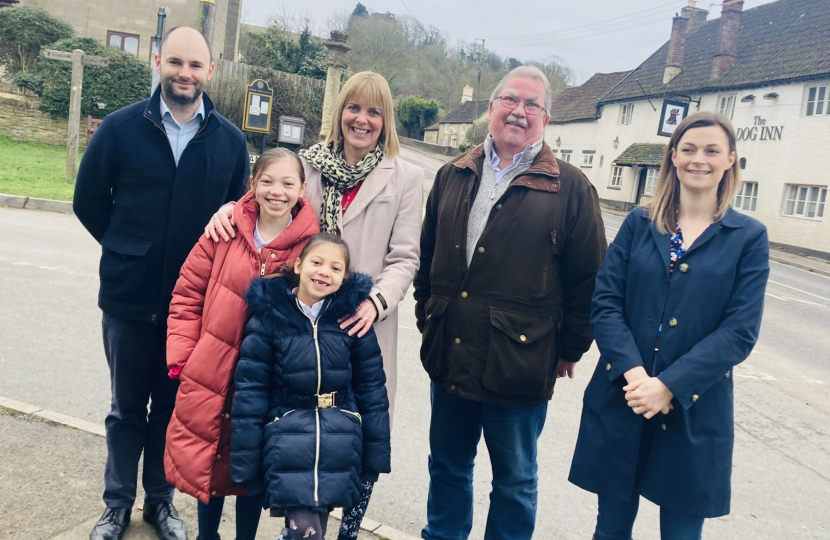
x,y
677,304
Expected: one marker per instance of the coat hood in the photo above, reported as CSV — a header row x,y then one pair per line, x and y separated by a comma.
x,y
302,227
273,299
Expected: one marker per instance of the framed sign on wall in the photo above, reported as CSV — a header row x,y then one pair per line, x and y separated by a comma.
x,y
672,114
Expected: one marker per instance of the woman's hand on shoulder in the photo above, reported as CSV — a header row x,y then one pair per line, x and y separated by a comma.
x,y
221,224
362,320
648,396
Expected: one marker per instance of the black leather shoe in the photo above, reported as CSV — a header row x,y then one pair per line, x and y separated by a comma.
x,y
112,524
165,520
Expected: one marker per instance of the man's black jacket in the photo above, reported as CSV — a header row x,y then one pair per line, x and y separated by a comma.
x,y
146,212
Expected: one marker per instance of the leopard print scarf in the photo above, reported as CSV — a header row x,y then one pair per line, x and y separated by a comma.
x,y
337,177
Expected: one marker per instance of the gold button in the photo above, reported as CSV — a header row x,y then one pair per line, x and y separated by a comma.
x,y
728,373
684,267
458,341
481,250
429,316
227,415
523,338
452,387
273,255
663,427
218,457
607,367
464,294
213,493
695,398
672,322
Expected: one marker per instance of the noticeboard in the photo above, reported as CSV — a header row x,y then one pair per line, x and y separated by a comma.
x,y
258,98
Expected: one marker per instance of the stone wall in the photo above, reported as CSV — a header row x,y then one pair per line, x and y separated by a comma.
x,y
21,120
434,148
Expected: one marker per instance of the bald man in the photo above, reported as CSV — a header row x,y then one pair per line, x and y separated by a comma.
x,y
150,179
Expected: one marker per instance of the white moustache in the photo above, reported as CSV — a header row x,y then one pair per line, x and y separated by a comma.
x,y
512,119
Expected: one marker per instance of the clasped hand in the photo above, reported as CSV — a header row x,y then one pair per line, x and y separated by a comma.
x,y
646,395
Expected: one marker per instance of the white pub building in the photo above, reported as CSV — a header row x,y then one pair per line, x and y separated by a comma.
x,y
767,69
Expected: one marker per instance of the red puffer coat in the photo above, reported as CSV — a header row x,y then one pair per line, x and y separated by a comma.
x,y
204,332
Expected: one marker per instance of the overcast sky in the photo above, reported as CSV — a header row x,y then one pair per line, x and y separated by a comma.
x,y
590,36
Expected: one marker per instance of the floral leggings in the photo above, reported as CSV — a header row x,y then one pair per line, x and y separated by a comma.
x,y
352,517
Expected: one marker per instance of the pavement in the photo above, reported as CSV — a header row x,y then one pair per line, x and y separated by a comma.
x,y
45,452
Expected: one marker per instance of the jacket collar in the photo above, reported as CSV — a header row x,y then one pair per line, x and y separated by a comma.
x,y
302,227
153,109
373,184
544,168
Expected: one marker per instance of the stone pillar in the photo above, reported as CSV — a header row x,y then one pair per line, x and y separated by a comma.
x,y
336,50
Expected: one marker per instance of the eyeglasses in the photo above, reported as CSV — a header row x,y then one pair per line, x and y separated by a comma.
x,y
531,107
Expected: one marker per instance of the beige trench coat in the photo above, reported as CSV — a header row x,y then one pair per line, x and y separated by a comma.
x,y
382,228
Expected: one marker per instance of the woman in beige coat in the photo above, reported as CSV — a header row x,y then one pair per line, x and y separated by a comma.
x,y
362,191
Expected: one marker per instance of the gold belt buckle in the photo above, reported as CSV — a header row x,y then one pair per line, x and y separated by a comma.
x,y
325,401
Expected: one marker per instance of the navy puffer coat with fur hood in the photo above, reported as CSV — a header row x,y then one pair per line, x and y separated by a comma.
x,y
302,455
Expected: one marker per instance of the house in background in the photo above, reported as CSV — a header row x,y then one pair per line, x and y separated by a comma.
x,y
766,69
130,26
452,128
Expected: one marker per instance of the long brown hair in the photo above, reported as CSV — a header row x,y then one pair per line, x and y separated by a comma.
x,y
273,155
663,208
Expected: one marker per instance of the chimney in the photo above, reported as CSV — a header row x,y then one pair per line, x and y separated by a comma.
x,y
677,47
467,94
727,46
695,15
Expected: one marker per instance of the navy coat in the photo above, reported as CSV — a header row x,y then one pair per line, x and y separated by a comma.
x,y
710,314
305,456
146,212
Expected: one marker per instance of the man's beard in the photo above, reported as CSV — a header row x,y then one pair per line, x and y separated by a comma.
x,y
170,94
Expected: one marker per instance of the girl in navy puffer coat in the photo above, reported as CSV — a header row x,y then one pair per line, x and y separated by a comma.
x,y
310,417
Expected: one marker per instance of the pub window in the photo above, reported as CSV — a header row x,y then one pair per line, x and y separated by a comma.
x,y
566,155
818,100
625,113
616,177
747,197
651,181
123,42
805,201
587,160
726,105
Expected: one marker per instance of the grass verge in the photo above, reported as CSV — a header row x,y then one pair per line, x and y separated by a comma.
x,y
34,170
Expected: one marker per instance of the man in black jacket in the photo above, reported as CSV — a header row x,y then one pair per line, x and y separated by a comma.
x,y
510,246
150,179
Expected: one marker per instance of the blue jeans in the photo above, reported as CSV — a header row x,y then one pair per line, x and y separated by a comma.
x,y
136,355
615,520
511,434
248,511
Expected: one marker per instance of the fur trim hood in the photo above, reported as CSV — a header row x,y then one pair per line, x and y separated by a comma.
x,y
273,299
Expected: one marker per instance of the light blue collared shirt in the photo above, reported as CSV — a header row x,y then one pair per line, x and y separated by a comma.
x,y
312,312
180,134
494,162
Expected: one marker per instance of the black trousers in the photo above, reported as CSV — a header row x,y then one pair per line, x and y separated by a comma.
x,y
136,355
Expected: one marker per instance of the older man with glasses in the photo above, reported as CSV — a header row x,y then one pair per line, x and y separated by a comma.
x,y
511,243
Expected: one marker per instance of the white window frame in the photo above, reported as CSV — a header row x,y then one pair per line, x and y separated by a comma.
x,y
651,181
616,177
123,36
820,103
805,202
454,141
566,155
446,128
626,112
726,105
588,160
446,141
746,199
463,129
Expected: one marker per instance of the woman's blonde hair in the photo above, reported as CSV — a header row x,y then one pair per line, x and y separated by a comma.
x,y
373,88
663,209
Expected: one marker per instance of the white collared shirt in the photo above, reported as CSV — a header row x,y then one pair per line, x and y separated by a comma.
x,y
180,135
312,312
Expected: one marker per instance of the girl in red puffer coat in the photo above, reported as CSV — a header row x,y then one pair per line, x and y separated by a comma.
x,y
207,317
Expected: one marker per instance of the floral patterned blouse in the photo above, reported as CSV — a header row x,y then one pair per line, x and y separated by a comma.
x,y
677,249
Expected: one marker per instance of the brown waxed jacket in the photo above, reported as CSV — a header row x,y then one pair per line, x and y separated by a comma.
x,y
495,331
